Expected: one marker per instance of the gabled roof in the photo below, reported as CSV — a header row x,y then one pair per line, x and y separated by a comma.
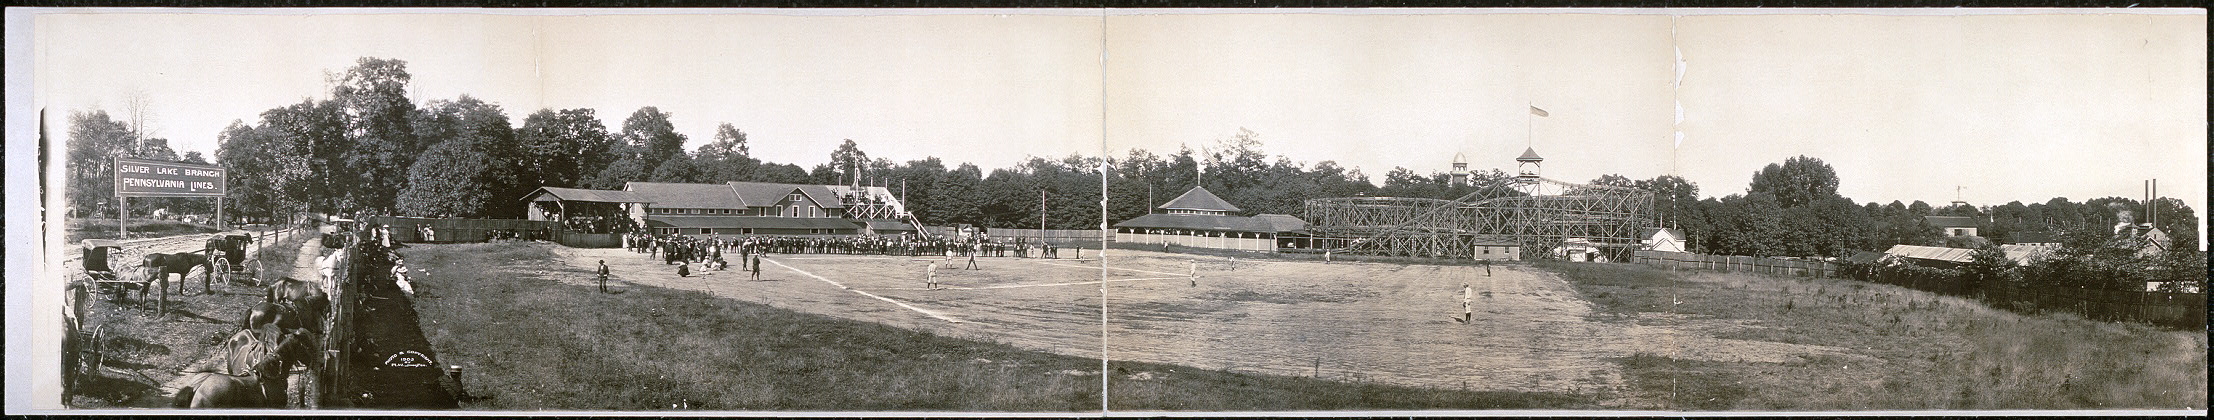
x,y
1213,222
1672,233
755,222
1951,221
1958,255
1529,155
764,194
685,195
578,194
1199,199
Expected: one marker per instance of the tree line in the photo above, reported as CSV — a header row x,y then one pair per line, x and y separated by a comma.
x,y
369,147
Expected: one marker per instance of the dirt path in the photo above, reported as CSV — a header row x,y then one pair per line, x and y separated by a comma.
x,y
394,366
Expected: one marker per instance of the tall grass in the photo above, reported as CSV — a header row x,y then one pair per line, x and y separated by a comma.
x,y
1902,349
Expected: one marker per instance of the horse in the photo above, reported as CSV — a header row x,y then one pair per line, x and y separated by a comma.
x,y
159,266
266,314
256,379
301,298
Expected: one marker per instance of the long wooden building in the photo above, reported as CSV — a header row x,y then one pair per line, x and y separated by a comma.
x,y
738,208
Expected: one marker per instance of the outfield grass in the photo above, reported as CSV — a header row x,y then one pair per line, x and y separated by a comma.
x,y
529,343
1903,349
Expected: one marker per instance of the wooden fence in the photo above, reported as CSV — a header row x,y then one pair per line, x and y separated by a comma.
x,y
1058,237
1736,263
575,239
338,336
456,230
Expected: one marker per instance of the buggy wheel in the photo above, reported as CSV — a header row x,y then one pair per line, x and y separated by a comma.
x,y
221,269
97,345
254,264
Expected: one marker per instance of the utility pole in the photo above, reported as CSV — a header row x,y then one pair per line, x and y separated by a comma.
x,y
1041,217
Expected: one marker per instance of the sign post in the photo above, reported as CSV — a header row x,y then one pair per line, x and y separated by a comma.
x,y
155,178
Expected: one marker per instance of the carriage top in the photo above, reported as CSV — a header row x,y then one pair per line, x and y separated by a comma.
x,y
92,244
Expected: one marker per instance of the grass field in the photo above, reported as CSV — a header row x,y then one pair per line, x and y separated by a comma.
x,y
533,333
1899,349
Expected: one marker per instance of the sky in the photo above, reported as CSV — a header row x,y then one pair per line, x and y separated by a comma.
x,y
1921,106
986,89
1987,108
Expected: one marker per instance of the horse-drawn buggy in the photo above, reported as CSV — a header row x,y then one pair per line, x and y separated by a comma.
x,y
100,272
227,258
82,347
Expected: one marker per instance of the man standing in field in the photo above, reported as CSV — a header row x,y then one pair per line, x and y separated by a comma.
x,y
930,276
1468,304
756,267
973,250
1195,273
603,276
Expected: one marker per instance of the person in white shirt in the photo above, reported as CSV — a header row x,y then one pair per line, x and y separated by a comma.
x,y
930,276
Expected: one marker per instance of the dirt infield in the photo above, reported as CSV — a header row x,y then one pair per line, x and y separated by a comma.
x,y
1037,304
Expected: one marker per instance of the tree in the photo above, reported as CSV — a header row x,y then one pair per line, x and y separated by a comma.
x,y
729,142
249,160
472,173
654,135
1613,180
848,162
563,148
1796,182
382,142
95,140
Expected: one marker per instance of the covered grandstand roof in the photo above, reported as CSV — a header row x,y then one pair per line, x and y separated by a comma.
x,y
686,195
750,222
579,194
1199,199
1276,223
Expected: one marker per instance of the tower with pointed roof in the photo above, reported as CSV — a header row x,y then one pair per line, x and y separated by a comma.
x,y
1528,167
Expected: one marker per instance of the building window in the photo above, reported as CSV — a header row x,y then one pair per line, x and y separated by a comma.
x,y
704,231
793,197
791,212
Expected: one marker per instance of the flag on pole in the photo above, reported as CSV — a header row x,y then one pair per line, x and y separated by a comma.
x,y
1534,110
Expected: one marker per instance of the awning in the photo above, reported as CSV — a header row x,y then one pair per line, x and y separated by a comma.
x,y
750,222
577,194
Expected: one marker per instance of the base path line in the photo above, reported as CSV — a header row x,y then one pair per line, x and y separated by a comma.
x,y
873,295
1124,269
1011,286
